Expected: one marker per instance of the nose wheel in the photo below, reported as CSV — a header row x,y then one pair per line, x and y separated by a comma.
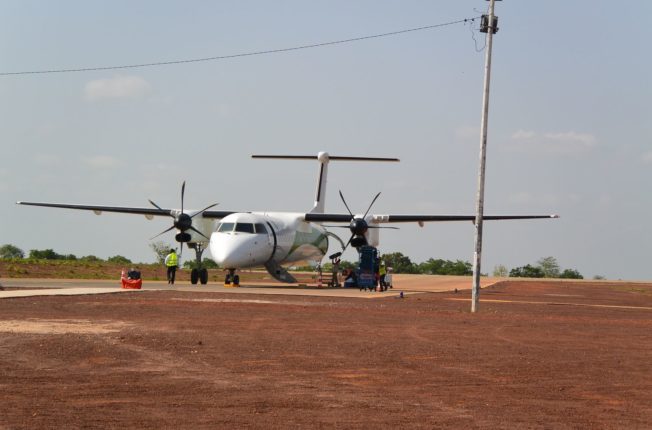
x,y
231,279
199,273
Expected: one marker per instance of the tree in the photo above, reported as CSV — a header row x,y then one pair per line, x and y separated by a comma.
x,y
500,271
11,251
549,267
399,262
206,263
90,258
45,254
526,271
161,249
459,268
119,259
571,274
444,267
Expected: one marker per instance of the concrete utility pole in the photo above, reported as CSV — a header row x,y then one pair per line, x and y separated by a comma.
x,y
489,25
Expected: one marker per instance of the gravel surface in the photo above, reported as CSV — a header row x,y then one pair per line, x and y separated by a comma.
x,y
537,355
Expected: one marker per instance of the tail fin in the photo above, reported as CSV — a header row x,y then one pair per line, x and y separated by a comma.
x,y
323,158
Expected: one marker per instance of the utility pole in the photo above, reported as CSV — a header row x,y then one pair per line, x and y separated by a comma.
x,y
489,25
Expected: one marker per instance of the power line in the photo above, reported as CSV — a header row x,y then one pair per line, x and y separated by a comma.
x,y
246,54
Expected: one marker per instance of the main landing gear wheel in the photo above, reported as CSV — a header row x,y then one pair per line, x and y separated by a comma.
x,y
199,275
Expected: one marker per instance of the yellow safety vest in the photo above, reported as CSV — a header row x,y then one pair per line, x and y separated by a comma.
x,y
171,260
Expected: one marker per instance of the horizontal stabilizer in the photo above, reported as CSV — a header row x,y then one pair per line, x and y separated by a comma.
x,y
330,157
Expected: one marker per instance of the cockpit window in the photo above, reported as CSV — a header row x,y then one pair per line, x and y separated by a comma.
x,y
225,227
260,228
244,227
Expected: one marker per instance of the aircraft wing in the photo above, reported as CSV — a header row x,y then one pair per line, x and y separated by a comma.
x,y
316,217
148,212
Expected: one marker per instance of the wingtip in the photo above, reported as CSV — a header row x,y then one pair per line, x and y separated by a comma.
x,y
554,216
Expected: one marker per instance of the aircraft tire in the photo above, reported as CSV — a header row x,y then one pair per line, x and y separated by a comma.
x,y
194,276
203,276
236,279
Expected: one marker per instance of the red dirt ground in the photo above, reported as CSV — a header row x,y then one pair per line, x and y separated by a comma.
x,y
538,355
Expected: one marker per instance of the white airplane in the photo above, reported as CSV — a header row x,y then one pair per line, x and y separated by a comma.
x,y
275,240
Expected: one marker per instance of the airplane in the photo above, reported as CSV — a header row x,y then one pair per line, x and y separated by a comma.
x,y
274,240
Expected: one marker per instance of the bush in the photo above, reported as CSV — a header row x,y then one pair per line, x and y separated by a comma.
x,y
119,259
45,254
526,271
9,251
571,274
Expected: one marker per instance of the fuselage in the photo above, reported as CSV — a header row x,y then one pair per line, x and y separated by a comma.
x,y
243,240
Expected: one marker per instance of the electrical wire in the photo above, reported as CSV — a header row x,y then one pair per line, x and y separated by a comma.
x,y
475,41
246,54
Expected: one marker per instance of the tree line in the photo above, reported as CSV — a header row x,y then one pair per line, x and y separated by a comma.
x,y
8,252
160,249
546,267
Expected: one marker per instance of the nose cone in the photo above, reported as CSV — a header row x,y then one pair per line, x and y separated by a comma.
x,y
237,251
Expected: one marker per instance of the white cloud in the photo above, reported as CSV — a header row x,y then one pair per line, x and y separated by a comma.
x,y
522,134
118,87
101,162
558,143
572,138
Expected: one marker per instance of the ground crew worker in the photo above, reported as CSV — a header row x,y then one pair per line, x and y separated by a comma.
x,y
171,262
335,260
382,272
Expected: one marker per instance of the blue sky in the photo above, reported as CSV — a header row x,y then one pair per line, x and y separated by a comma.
x,y
570,128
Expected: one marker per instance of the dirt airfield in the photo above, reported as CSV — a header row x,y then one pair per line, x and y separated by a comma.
x,y
539,354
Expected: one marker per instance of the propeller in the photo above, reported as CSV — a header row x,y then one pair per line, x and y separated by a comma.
x,y
358,225
182,221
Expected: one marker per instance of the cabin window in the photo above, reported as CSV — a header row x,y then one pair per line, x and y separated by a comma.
x,y
225,227
260,228
244,227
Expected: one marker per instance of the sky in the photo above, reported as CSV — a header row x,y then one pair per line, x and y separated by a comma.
x,y
570,122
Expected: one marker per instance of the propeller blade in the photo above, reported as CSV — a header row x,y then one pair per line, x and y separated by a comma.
x,y
335,226
378,226
181,251
158,207
197,231
347,206
348,243
163,232
183,191
204,210
369,208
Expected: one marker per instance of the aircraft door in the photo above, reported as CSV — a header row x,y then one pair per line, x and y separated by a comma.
x,y
267,228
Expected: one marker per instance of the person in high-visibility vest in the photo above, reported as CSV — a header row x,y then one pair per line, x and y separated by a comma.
x,y
382,271
171,262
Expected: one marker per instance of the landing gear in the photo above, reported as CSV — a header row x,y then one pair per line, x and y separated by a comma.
x,y
199,273
231,279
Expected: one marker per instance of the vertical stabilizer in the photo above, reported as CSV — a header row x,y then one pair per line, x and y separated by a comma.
x,y
320,196
324,159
